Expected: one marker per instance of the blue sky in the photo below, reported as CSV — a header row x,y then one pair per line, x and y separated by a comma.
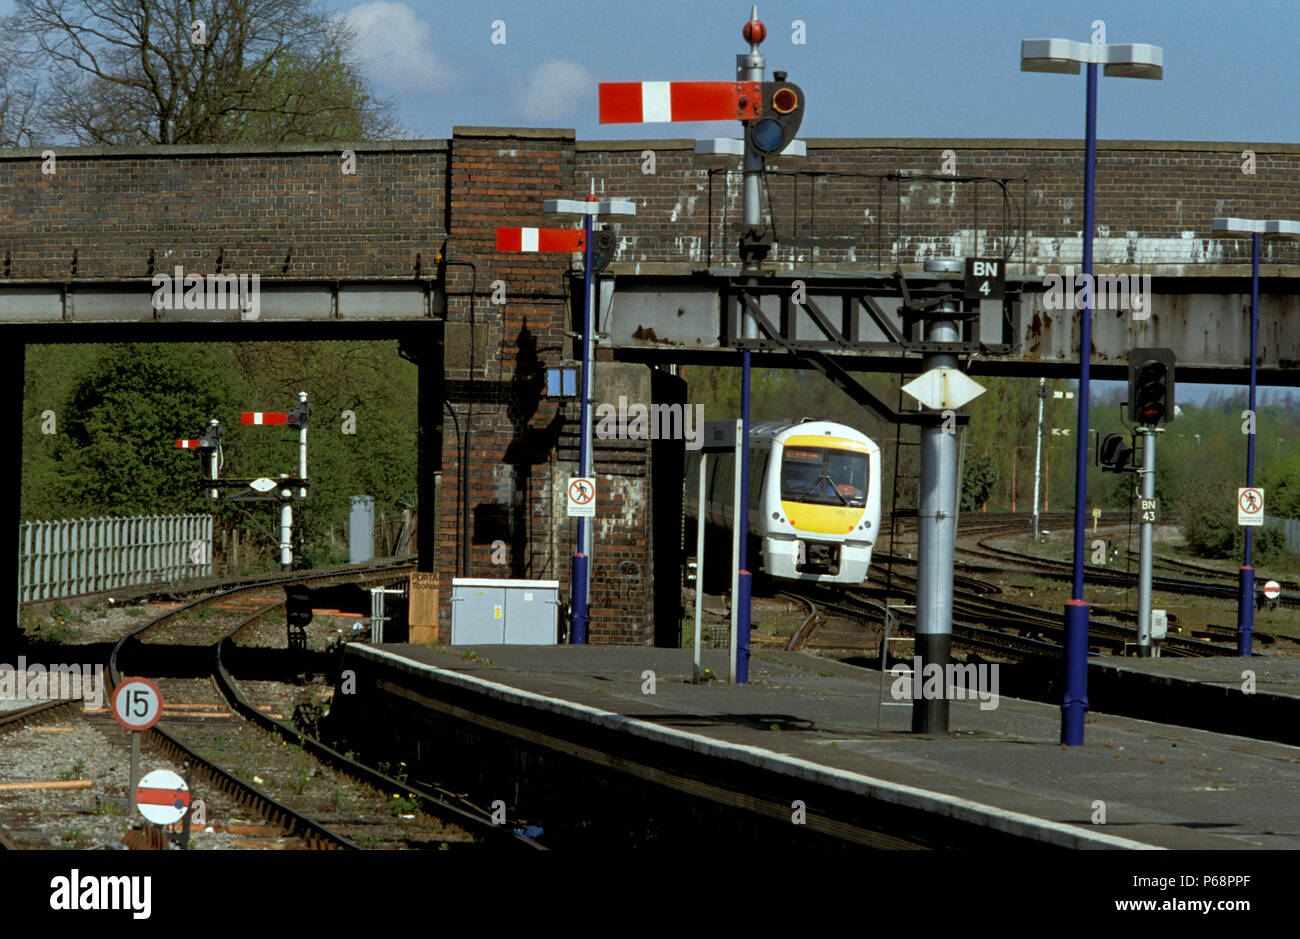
x,y
870,68
921,68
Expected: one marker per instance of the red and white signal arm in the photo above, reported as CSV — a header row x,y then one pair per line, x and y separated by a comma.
x,y
662,102
541,239
188,444
264,417
137,704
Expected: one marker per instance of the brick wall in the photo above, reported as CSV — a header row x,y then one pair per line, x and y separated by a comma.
x,y
281,212
845,206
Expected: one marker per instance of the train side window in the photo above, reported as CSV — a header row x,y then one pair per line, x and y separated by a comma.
x,y
692,481
757,469
722,469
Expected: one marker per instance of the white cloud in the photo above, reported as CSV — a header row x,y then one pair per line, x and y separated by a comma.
x,y
395,46
557,89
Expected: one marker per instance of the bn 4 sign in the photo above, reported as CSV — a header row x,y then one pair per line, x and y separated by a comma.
x,y
985,279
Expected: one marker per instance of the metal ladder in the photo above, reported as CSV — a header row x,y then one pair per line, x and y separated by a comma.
x,y
914,483
887,677
913,480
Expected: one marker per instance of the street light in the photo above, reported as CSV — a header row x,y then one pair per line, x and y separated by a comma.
x,y
1131,60
581,584
1282,230
728,154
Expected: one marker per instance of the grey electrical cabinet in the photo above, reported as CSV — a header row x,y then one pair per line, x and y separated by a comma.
x,y
361,530
488,611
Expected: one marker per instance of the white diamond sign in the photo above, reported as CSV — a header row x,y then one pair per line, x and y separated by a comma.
x,y
262,485
944,388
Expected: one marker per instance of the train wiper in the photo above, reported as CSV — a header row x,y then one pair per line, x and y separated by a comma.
x,y
813,485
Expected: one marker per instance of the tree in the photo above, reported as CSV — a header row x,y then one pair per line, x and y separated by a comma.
x,y
213,71
978,480
1282,487
18,95
123,419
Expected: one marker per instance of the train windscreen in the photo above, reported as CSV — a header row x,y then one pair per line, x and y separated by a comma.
x,y
825,476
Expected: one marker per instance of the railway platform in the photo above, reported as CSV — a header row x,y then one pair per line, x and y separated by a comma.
x,y
812,723
1248,697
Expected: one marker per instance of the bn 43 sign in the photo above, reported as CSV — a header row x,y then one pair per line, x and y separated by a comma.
x,y
1149,509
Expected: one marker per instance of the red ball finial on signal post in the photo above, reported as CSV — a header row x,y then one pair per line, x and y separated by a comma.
x,y
754,31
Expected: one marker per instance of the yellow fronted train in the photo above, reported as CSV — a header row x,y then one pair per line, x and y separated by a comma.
x,y
814,500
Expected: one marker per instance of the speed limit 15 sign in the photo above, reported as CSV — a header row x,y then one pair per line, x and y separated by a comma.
x,y
137,704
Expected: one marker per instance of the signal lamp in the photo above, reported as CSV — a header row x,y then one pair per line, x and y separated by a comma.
x,y
781,115
1151,386
297,605
1114,454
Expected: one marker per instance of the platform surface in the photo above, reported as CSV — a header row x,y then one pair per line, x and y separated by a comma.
x,y
1165,786
1272,674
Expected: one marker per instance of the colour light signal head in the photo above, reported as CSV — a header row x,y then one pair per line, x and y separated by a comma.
x,y
1151,386
1114,454
298,604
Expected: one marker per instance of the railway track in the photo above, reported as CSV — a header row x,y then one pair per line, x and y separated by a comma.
x,y
1062,570
866,611
1188,567
982,620
221,721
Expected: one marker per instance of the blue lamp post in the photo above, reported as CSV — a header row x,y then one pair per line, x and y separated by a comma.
x,y
1238,228
1126,61
581,583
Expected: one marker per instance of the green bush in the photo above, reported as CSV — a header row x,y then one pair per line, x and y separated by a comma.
x,y
1210,519
978,479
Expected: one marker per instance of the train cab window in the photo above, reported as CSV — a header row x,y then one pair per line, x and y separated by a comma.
x,y
824,475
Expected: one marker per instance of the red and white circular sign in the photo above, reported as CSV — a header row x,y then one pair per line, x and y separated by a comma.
x,y
162,797
1272,590
137,704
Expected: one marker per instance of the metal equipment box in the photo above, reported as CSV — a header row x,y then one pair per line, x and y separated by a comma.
x,y
489,611
361,530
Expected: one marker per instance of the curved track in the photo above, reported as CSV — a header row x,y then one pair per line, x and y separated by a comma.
x,y
214,641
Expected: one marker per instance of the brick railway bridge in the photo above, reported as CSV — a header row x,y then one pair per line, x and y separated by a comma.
x,y
404,249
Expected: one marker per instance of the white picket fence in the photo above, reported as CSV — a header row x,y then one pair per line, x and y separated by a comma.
x,y
86,555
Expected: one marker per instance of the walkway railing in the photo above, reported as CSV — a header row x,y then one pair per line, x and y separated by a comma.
x,y
86,555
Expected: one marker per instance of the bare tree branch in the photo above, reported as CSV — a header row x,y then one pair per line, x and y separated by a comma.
x,y
128,72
